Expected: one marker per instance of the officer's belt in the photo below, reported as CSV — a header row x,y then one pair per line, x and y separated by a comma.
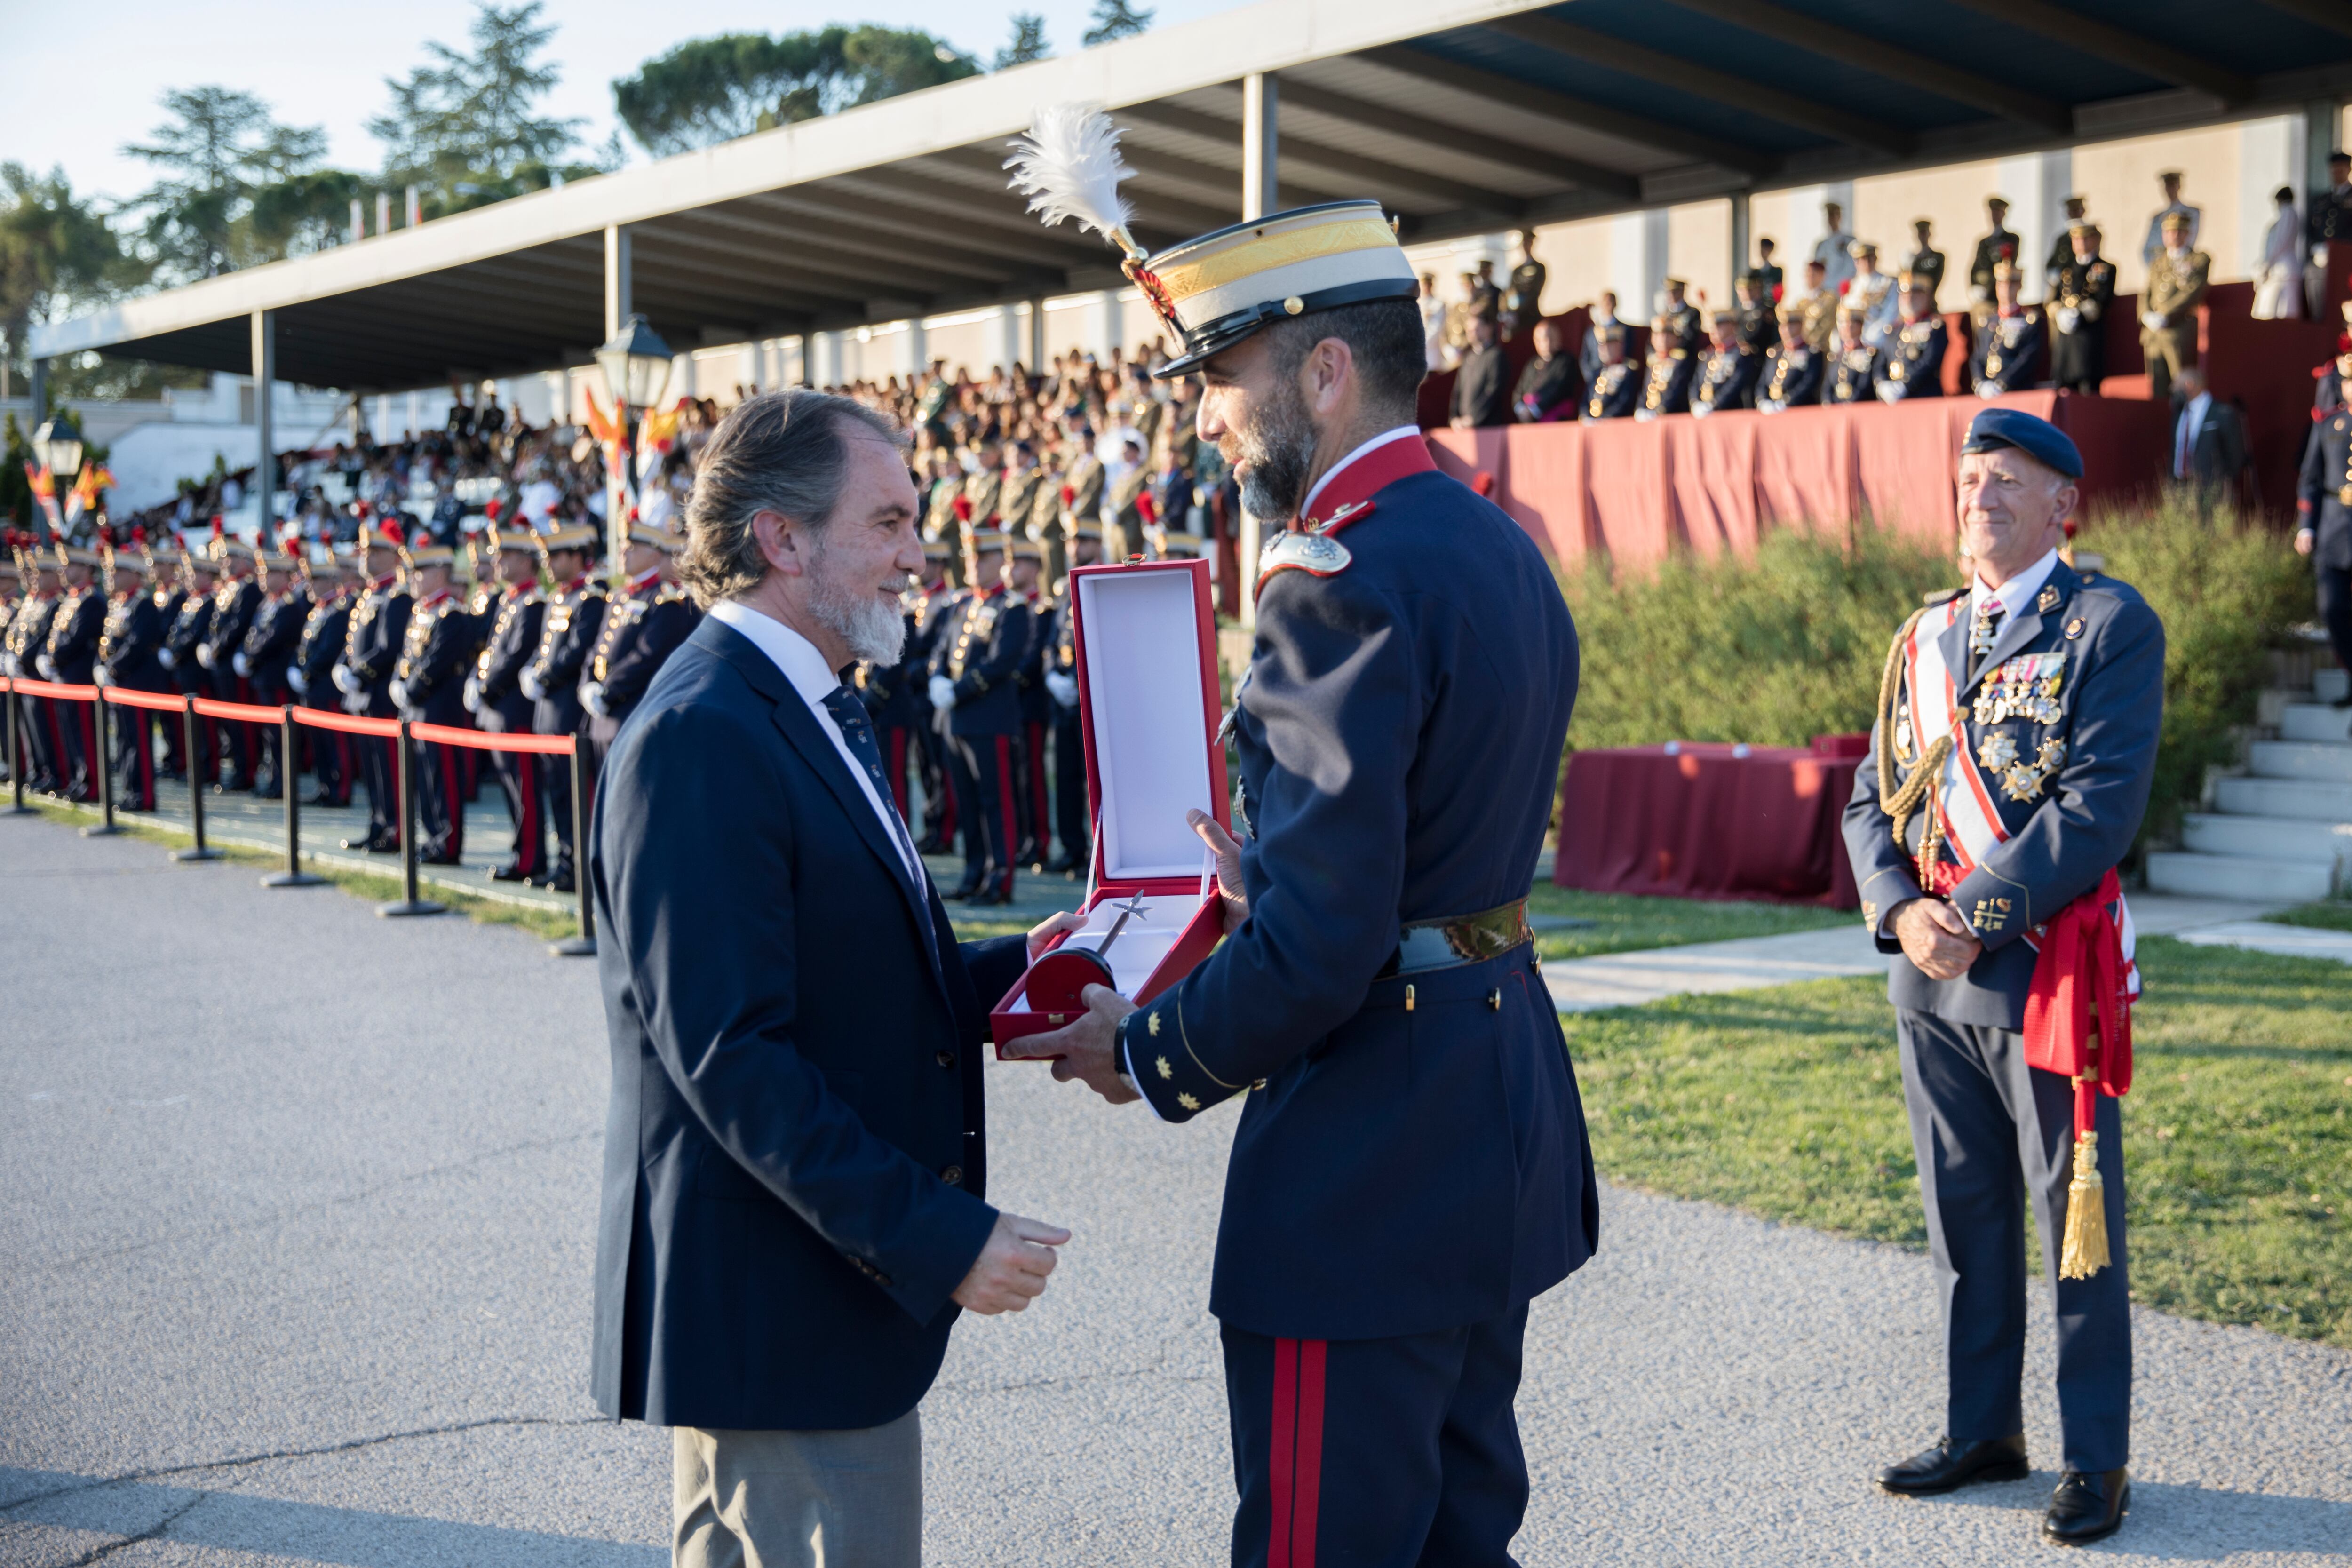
x,y
1464,939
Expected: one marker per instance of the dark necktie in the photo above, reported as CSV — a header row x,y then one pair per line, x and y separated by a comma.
x,y
1984,631
849,717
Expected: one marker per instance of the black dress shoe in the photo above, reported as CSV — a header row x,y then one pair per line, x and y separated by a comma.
x,y
1955,1462
511,871
373,844
2086,1507
988,895
929,844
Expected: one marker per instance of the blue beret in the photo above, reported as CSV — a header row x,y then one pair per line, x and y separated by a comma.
x,y
1996,427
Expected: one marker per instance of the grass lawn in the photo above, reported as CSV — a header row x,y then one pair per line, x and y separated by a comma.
x,y
1622,923
2238,1130
2334,915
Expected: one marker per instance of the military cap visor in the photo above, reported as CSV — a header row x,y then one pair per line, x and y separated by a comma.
x,y
1998,428
1229,284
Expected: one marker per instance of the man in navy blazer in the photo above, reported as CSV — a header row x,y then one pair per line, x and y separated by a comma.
x,y
794,1158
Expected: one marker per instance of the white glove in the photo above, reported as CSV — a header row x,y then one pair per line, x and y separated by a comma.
x,y
239,663
355,704
298,681
1769,406
2152,320
472,695
1701,410
99,678
591,698
1064,687
205,655
1644,416
1988,389
942,692
167,658
346,681
1890,393
2069,318
47,666
399,693
8,665
532,687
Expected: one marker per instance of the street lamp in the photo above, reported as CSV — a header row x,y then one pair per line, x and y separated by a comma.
x,y
57,445
635,365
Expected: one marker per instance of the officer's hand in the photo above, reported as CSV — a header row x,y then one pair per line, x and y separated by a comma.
x,y
1936,939
942,691
1229,866
1042,934
2302,542
1011,1269
1087,1050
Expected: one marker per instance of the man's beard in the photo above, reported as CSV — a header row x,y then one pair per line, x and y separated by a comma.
x,y
1275,449
873,629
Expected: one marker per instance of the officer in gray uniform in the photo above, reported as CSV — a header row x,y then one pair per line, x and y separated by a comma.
x,y
2008,768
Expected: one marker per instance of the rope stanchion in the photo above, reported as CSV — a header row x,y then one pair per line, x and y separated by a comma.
x,y
101,731
409,904
349,725
196,785
486,741
584,943
16,806
293,876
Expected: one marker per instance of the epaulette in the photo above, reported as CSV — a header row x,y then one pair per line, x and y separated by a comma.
x,y
1316,554
1940,596
670,594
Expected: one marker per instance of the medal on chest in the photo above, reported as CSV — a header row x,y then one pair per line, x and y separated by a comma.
x,y
2026,687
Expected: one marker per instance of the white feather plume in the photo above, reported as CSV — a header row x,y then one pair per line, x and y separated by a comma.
x,y
1068,166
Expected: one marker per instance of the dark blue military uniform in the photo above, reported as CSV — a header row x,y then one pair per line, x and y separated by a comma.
x,y
1032,808
1728,381
75,627
235,603
2007,353
191,618
2058,720
324,630
642,628
2324,497
1912,365
267,654
1666,378
982,645
1851,374
127,650
1616,393
373,641
501,709
574,621
1072,820
1792,377
931,603
428,684
1410,1167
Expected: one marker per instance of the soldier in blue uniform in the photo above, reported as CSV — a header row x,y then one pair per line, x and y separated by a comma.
x,y
70,656
28,643
2082,290
262,660
2007,353
192,617
1023,576
495,695
312,673
428,687
1729,379
1791,376
1851,373
1616,389
235,602
574,620
928,605
126,660
1913,363
643,626
2010,765
1410,1169
980,648
2324,516
1667,374
1072,820
373,640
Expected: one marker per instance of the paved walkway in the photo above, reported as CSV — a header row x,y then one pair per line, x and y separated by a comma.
x,y
294,1269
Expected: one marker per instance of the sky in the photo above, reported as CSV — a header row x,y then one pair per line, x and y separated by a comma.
x,y
323,62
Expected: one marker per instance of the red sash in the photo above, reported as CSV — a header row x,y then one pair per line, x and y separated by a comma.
x,y
2078,1013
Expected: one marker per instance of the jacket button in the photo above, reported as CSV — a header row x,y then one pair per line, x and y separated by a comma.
x,y
952,1175
945,1058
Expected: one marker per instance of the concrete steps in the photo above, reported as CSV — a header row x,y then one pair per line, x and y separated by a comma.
x,y
2283,828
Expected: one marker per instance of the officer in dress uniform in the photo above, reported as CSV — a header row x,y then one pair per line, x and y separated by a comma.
x,y
889,693
1729,378
312,674
1024,573
428,683
2061,249
2010,764
1410,1168
574,620
373,641
1875,293
982,645
235,601
126,661
1071,818
2168,305
1760,326
1925,265
1682,318
28,643
2008,353
1666,376
1913,365
1998,245
265,656
494,694
1522,295
2324,517
70,656
1616,390
645,624
1851,374
928,607
1792,377
1085,479
985,484
191,618
2082,288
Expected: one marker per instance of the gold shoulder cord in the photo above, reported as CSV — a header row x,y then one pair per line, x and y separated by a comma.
x,y
1899,804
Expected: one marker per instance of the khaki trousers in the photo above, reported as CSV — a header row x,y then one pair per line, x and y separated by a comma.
x,y
798,1499
2168,353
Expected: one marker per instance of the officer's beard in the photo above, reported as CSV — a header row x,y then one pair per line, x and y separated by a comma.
x,y
872,627
1274,451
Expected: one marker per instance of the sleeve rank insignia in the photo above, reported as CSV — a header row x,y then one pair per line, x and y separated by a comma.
x,y
1164,1069
1188,1102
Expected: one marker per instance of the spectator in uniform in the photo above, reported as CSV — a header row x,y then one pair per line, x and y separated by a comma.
x,y
1925,263
1759,323
1667,375
1820,307
644,626
312,677
2080,295
1616,387
1852,376
235,602
2008,353
428,682
70,656
980,648
1997,244
2158,241
1599,319
569,630
494,694
264,658
2167,315
126,652
1072,820
1834,249
1523,300
1482,386
1548,383
1912,365
1791,376
1728,379
373,641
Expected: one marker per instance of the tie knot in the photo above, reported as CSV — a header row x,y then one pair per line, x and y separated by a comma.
x,y
845,706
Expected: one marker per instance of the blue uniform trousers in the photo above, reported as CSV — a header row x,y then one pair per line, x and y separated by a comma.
x,y
1378,1453
1990,1134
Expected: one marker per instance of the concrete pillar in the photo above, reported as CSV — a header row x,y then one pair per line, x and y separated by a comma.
x,y
1008,345
2270,154
618,304
1637,262
1037,360
359,221
265,390
2321,117
1261,135
383,213
1110,317
915,353
1743,246
415,414
802,344
382,415
2037,186
39,390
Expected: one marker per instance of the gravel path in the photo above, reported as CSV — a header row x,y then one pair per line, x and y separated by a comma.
x,y
294,1232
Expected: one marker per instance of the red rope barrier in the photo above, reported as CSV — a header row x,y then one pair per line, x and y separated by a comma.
x,y
327,719
161,701
52,689
483,741
248,712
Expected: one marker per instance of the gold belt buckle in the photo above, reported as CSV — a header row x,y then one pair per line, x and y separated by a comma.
x,y
1473,939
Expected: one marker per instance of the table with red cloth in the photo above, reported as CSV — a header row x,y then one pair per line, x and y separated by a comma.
x,y
1711,820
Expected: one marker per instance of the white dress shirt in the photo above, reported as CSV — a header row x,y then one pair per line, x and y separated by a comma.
x,y
805,667
2015,593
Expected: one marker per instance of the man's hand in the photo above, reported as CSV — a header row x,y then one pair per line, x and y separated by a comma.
x,y
1936,939
1229,866
1011,1269
1042,934
2304,539
1087,1050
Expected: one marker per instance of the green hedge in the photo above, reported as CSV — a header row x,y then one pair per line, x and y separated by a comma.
x,y
1787,646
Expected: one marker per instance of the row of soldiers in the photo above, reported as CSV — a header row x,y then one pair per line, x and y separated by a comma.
x,y
377,629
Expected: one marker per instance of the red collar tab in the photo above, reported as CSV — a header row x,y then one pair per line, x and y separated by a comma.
x,y
644,580
990,593
576,584
441,597
386,581
1348,493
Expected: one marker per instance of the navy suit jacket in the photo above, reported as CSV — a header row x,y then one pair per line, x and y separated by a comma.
x,y
794,1160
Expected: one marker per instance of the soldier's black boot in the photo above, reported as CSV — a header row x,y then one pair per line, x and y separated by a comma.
x,y
1954,1463
2086,1507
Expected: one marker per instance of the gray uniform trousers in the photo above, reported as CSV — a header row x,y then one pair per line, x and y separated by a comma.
x,y
1990,1132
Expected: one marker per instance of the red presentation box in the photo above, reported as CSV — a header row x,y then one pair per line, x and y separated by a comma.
x,y
1146,639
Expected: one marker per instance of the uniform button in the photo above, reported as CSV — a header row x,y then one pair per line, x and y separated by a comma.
x,y
945,1058
952,1175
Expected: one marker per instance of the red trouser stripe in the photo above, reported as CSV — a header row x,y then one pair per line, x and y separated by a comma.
x,y
899,772
1008,802
1297,1452
1037,820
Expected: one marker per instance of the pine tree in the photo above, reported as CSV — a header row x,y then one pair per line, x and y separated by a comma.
x,y
1028,42
464,126
1116,19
